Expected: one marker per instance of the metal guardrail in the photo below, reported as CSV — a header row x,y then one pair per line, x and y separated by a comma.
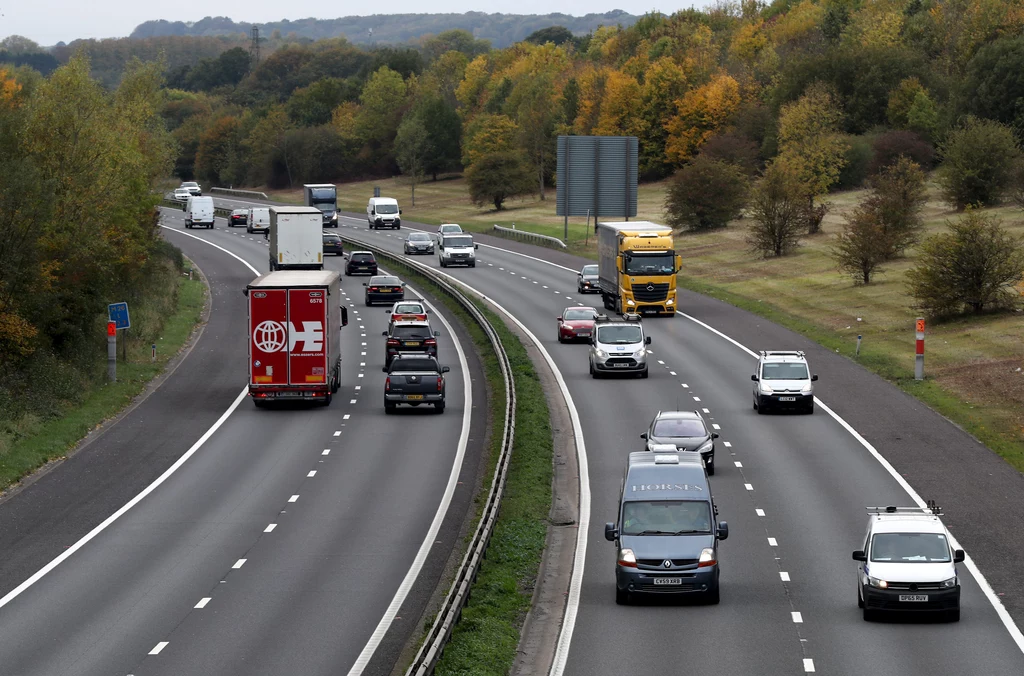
x,y
177,206
241,193
451,610
527,236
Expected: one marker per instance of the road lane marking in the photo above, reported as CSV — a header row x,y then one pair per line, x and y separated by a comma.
x,y
696,398
159,646
728,444
749,487
326,451
270,528
808,666
238,564
294,498
784,576
797,617
312,473
337,433
716,426
759,511
772,542
346,416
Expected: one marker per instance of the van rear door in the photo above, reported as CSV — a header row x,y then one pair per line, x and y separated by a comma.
x,y
308,348
268,337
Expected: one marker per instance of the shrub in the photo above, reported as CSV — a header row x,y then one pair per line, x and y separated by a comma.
x,y
860,249
732,149
897,197
495,177
979,162
778,207
892,145
859,155
974,267
705,194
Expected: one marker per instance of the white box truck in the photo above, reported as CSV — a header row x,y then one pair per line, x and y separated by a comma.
x,y
198,212
296,238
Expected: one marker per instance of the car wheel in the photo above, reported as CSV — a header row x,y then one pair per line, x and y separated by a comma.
x,y
327,399
711,467
389,407
645,373
560,339
870,615
860,601
439,407
759,405
621,597
368,303
713,597
953,615
347,273
810,408
259,403
473,264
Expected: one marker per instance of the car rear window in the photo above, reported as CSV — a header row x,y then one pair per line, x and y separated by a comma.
x,y
414,365
332,238
408,309
385,281
411,332
590,269
362,258
679,427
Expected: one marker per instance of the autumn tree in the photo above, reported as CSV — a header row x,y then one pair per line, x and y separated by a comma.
x,y
218,158
701,113
413,150
777,207
486,134
979,161
705,194
861,248
495,177
267,146
896,200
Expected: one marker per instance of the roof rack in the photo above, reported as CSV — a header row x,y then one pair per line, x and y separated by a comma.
x,y
782,353
930,509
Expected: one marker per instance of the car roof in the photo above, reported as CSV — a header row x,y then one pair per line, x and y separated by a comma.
x,y
678,415
783,356
412,322
413,301
580,307
647,478
384,277
369,253
906,523
418,235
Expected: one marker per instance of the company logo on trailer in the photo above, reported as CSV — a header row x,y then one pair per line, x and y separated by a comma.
x,y
269,336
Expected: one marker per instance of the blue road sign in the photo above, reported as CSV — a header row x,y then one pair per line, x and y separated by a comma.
x,y
118,313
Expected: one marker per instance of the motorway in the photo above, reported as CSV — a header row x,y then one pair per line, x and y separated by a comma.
x,y
792,487
294,541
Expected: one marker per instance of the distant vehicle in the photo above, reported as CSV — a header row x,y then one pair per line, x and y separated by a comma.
x,y
637,266
576,323
417,243
412,336
683,431
448,229
586,280
238,217
296,239
324,198
783,380
383,212
333,244
908,564
456,249
414,379
258,220
181,195
361,262
198,212
384,288
619,346
193,188
295,320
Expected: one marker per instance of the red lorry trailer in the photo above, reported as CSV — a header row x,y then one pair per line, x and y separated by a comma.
x,y
295,320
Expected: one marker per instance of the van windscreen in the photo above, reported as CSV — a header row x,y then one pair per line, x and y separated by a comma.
x,y
666,517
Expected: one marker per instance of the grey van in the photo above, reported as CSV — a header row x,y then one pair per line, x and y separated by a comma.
x,y
668,531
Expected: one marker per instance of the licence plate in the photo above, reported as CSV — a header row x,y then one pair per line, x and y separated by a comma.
x,y
787,398
913,598
416,344
585,334
668,581
620,366
417,397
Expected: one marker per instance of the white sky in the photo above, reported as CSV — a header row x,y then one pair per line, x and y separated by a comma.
x,y
51,21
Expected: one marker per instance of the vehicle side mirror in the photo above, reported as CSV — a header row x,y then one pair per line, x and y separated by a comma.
x,y
647,340
814,377
383,333
559,318
754,377
644,435
437,334
959,555
476,246
610,532
714,435
723,530
385,369
388,311
399,212
344,316
860,555
446,369
364,283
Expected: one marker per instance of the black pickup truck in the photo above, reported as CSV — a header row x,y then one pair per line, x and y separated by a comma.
x,y
414,379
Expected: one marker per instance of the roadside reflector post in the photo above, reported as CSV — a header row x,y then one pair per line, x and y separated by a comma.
x,y
154,351
859,337
919,357
112,352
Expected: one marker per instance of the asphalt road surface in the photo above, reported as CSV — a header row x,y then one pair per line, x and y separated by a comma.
x,y
289,542
792,487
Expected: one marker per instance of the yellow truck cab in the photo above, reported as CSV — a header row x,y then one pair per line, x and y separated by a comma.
x,y
637,266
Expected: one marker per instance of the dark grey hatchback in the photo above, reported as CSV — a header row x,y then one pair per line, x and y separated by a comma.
x,y
686,431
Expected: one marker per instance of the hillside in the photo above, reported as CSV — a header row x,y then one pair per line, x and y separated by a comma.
x,y
501,29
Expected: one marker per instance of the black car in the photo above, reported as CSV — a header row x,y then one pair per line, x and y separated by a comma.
x,y
686,431
414,336
361,262
332,244
238,217
418,243
384,288
586,280
414,379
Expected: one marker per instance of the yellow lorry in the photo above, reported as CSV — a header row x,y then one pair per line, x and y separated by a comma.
x,y
637,266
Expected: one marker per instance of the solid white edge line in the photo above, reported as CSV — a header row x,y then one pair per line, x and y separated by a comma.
x,y
363,660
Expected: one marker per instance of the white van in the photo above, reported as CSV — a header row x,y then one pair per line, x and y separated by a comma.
x,y
258,220
198,212
383,212
456,249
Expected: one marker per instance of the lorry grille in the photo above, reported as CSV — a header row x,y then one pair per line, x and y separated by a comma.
x,y
650,293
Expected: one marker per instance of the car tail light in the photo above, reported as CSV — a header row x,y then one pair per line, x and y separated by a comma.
x,y
387,384
430,341
373,288
393,341
439,381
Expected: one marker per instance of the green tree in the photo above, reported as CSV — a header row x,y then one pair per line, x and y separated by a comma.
x,y
974,266
497,176
898,195
267,144
383,101
488,133
901,99
554,34
312,106
413,150
860,249
979,161
536,111
219,156
705,194
444,133
994,82
778,207
923,115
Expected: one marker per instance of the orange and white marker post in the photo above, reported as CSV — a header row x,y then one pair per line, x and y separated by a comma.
x,y
112,352
919,358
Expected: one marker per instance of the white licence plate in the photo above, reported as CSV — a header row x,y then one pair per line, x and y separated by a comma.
x,y
583,333
668,580
913,598
620,366
787,398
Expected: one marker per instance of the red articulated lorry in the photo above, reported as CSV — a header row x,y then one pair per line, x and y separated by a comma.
x,y
295,320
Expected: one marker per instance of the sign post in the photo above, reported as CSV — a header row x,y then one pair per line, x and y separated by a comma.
x,y
112,352
919,358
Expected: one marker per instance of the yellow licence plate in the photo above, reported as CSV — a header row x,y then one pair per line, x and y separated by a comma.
x,y
414,396
413,344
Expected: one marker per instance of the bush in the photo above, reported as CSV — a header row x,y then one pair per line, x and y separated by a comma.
x,y
896,203
705,194
860,249
732,149
778,207
495,177
892,145
975,266
979,161
859,155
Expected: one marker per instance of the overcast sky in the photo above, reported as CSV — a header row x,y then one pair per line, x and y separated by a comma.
x,y
51,21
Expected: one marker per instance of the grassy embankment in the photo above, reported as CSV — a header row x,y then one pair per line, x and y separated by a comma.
x,y
485,640
166,316
971,363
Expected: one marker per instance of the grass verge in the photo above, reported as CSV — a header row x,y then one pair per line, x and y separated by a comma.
x,y
43,441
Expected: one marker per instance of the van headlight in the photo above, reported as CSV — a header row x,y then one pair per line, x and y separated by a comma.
x,y
807,388
707,558
642,352
876,583
765,389
948,584
601,354
629,302
627,558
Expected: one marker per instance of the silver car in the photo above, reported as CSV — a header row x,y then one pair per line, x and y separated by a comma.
x,y
417,243
619,346
783,380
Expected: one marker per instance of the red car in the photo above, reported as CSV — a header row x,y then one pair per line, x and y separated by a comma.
x,y
576,323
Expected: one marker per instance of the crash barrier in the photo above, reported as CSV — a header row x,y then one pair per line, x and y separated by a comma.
x,y
527,236
176,205
458,595
240,193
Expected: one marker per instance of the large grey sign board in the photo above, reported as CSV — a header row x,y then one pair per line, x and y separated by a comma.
x,y
597,173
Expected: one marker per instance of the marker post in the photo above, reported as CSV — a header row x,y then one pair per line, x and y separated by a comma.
x,y
112,352
919,357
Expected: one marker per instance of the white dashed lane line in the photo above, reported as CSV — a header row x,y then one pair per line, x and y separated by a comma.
x,y
772,542
238,564
326,451
749,487
202,602
270,528
784,576
159,646
797,617
311,474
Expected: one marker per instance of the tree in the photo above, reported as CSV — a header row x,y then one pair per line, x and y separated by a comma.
x,y
383,101
219,157
994,81
860,249
979,159
778,209
413,150
702,112
488,133
267,147
312,106
554,34
887,148
705,194
497,176
895,204
901,99
974,267
733,149
810,144
536,112
444,133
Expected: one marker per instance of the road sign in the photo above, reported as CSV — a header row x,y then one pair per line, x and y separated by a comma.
x,y
118,313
